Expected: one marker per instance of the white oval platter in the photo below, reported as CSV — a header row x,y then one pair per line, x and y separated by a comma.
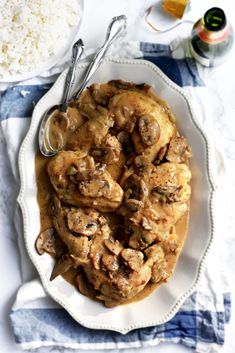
x,y
161,305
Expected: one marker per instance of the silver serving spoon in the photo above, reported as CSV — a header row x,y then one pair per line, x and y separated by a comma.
x,y
116,28
44,140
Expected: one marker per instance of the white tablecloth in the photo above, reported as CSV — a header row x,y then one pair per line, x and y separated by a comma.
x,y
97,15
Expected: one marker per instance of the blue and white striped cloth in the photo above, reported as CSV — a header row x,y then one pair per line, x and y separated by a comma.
x,y
36,320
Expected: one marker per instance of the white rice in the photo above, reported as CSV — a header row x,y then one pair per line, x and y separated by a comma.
x,y
33,31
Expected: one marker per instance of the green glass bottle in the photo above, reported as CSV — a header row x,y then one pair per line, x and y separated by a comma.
x,y
211,38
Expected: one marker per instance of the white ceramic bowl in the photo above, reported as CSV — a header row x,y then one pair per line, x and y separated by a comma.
x,y
52,61
161,305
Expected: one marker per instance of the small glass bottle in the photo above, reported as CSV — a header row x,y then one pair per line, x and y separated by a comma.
x,y
211,38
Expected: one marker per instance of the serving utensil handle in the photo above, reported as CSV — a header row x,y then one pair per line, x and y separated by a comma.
x,y
116,28
77,51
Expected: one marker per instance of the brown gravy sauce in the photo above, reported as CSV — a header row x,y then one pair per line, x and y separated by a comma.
x,y
44,190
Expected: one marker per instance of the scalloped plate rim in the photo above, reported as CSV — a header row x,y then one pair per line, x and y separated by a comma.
x,y
23,206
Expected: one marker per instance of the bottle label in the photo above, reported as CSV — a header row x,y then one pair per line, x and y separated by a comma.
x,y
208,62
202,60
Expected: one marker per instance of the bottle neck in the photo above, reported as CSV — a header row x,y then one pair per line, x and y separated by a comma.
x,y
212,28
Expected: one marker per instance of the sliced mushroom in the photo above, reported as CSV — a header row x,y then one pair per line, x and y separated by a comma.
x,y
110,262
146,223
114,246
141,161
82,169
130,206
142,165
62,266
113,143
179,150
129,86
122,85
154,253
46,242
149,130
85,169
126,142
84,286
159,271
133,259
102,93
135,188
136,240
133,205
103,154
149,236
161,155
82,222
95,188
167,193
170,243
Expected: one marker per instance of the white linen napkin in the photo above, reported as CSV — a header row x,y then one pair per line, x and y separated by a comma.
x,y
212,295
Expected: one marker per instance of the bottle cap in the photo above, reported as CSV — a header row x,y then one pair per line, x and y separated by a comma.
x,y
214,19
